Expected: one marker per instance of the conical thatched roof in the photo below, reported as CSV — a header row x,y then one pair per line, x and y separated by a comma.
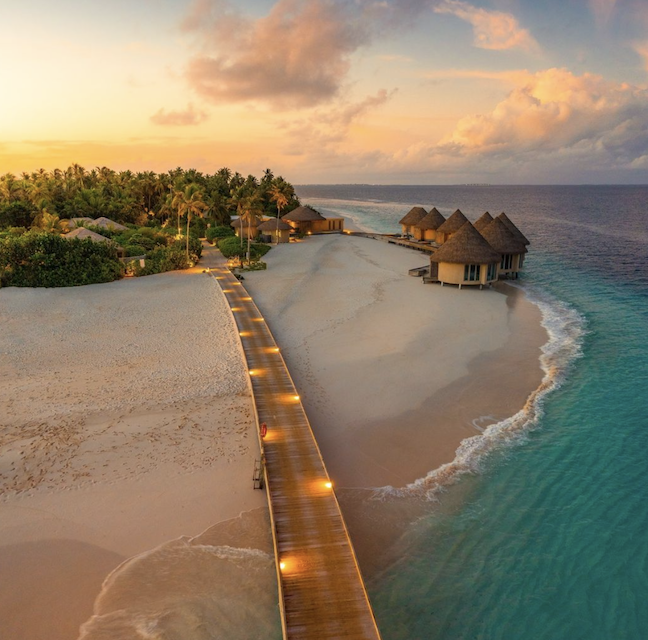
x,y
107,223
501,239
483,222
513,229
83,234
414,216
271,225
243,221
303,214
467,246
432,220
455,222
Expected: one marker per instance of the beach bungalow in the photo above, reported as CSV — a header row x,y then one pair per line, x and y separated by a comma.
x,y
412,217
426,227
455,222
246,224
507,245
306,220
275,230
513,229
465,259
85,234
107,223
483,222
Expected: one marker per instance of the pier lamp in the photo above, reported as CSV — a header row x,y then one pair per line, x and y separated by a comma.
x,y
282,565
248,298
328,485
296,398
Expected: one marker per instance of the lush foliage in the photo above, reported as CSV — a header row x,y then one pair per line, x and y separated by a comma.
x,y
141,198
231,248
218,233
38,259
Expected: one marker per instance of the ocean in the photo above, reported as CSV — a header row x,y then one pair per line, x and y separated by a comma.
x,y
541,529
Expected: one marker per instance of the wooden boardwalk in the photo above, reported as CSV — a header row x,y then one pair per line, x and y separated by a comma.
x,y
321,592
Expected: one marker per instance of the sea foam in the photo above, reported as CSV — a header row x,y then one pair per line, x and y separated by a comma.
x,y
566,328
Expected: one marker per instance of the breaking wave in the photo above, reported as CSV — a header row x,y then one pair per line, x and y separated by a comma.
x,y
566,328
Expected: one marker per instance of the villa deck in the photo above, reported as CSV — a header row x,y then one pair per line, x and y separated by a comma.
x,y
321,591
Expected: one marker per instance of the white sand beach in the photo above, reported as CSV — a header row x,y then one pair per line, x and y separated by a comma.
x,y
127,433
126,423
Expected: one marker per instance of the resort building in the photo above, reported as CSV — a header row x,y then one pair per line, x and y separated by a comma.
x,y
513,229
413,217
451,226
507,245
275,230
465,259
306,220
483,222
80,233
426,227
107,223
246,225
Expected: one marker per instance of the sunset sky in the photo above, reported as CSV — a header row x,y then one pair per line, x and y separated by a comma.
x,y
395,91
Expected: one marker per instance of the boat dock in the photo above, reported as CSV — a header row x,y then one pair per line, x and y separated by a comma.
x,y
321,590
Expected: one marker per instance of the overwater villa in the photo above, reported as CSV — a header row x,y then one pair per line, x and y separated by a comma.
x,y
465,259
306,220
451,226
483,221
426,227
512,249
411,218
513,229
275,230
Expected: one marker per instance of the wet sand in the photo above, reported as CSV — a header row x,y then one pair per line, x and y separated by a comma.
x,y
394,374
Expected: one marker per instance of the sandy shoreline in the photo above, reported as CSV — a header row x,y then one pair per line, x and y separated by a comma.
x,y
394,374
128,441
126,424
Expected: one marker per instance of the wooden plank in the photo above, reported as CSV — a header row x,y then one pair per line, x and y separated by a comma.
x,y
321,590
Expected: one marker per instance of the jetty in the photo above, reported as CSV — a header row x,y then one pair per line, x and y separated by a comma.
x,y
321,591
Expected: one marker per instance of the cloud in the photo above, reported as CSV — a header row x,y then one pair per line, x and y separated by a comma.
x,y
189,117
602,10
297,55
324,129
492,29
642,49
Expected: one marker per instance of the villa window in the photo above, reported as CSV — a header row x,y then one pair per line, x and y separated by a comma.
x,y
492,272
472,272
507,261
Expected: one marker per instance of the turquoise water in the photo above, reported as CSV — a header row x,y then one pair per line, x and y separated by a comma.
x,y
550,537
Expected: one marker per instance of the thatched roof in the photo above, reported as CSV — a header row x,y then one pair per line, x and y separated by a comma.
x,y
243,221
455,222
83,234
74,222
413,216
467,246
513,229
271,225
432,220
107,223
303,214
483,222
501,239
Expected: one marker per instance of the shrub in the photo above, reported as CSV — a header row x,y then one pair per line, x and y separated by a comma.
x,y
231,248
134,250
198,227
195,247
38,259
218,233
161,260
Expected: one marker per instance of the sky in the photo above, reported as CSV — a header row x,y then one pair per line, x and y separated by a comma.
x,y
330,91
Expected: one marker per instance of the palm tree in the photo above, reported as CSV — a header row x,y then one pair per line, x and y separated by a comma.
x,y
50,222
189,201
279,197
249,208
